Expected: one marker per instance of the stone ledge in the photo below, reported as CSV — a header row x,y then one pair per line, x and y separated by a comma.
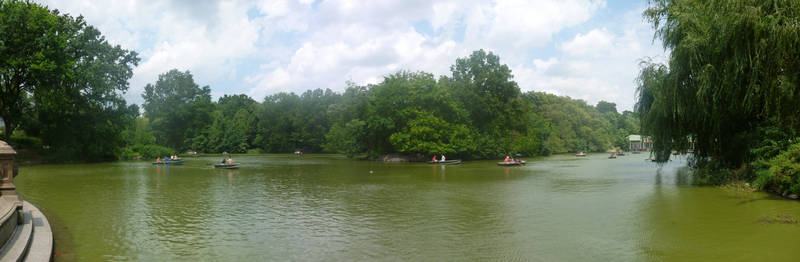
x,y
32,239
9,218
17,246
41,247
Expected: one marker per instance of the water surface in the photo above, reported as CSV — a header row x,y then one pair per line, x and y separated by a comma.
x,y
279,207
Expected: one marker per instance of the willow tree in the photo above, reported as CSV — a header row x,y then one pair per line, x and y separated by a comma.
x,y
732,71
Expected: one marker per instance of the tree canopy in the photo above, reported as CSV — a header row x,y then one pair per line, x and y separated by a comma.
x,y
177,108
732,72
63,81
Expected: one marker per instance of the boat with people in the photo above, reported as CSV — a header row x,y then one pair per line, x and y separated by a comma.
x,y
581,153
445,162
510,163
227,166
170,163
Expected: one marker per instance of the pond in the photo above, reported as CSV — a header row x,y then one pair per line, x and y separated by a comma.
x,y
326,207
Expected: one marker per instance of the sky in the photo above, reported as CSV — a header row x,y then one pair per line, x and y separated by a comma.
x,y
585,49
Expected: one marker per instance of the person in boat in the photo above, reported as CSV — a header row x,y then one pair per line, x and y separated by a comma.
x,y
434,159
223,161
166,160
506,160
230,160
442,159
158,159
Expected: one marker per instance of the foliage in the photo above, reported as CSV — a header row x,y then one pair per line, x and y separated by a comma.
x,y
233,128
478,112
22,141
59,73
255,151
25,57
733,69
485,89
347,138
606,107
781,173
570,125
289,122
178,109
139,133
428,134
148,151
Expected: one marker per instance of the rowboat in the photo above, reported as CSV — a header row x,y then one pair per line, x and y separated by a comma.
x,y
511,163
171,163
580,154
227,166
446,162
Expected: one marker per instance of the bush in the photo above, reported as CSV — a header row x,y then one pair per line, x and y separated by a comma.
x,y
126,153
151,151
781,174
255,151
25,142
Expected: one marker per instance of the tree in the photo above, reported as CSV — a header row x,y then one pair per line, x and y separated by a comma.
x,y
486,89
178,109
59,73
347,134
290,122
733,66
22,50
346,138
605,107
571,125
234,126
427,134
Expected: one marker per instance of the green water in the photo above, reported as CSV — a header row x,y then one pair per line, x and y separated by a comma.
x,y
278,207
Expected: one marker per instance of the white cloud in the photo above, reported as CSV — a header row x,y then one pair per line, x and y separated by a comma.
x,y
362,41
595,43
270,46
209,38
596,65
365,58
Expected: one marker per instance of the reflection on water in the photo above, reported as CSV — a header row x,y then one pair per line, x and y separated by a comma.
x,y
328,208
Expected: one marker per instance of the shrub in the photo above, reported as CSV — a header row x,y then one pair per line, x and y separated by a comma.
x,y
25,142
151,151
254,151
781,174
126,153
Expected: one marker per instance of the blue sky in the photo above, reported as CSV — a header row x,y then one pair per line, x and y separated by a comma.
x,y
580,48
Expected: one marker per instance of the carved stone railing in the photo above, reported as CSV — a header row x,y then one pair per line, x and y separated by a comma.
x,y
25,234
10,201
7,172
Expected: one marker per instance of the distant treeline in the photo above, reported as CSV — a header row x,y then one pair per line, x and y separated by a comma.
x,y
477,112
62,84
